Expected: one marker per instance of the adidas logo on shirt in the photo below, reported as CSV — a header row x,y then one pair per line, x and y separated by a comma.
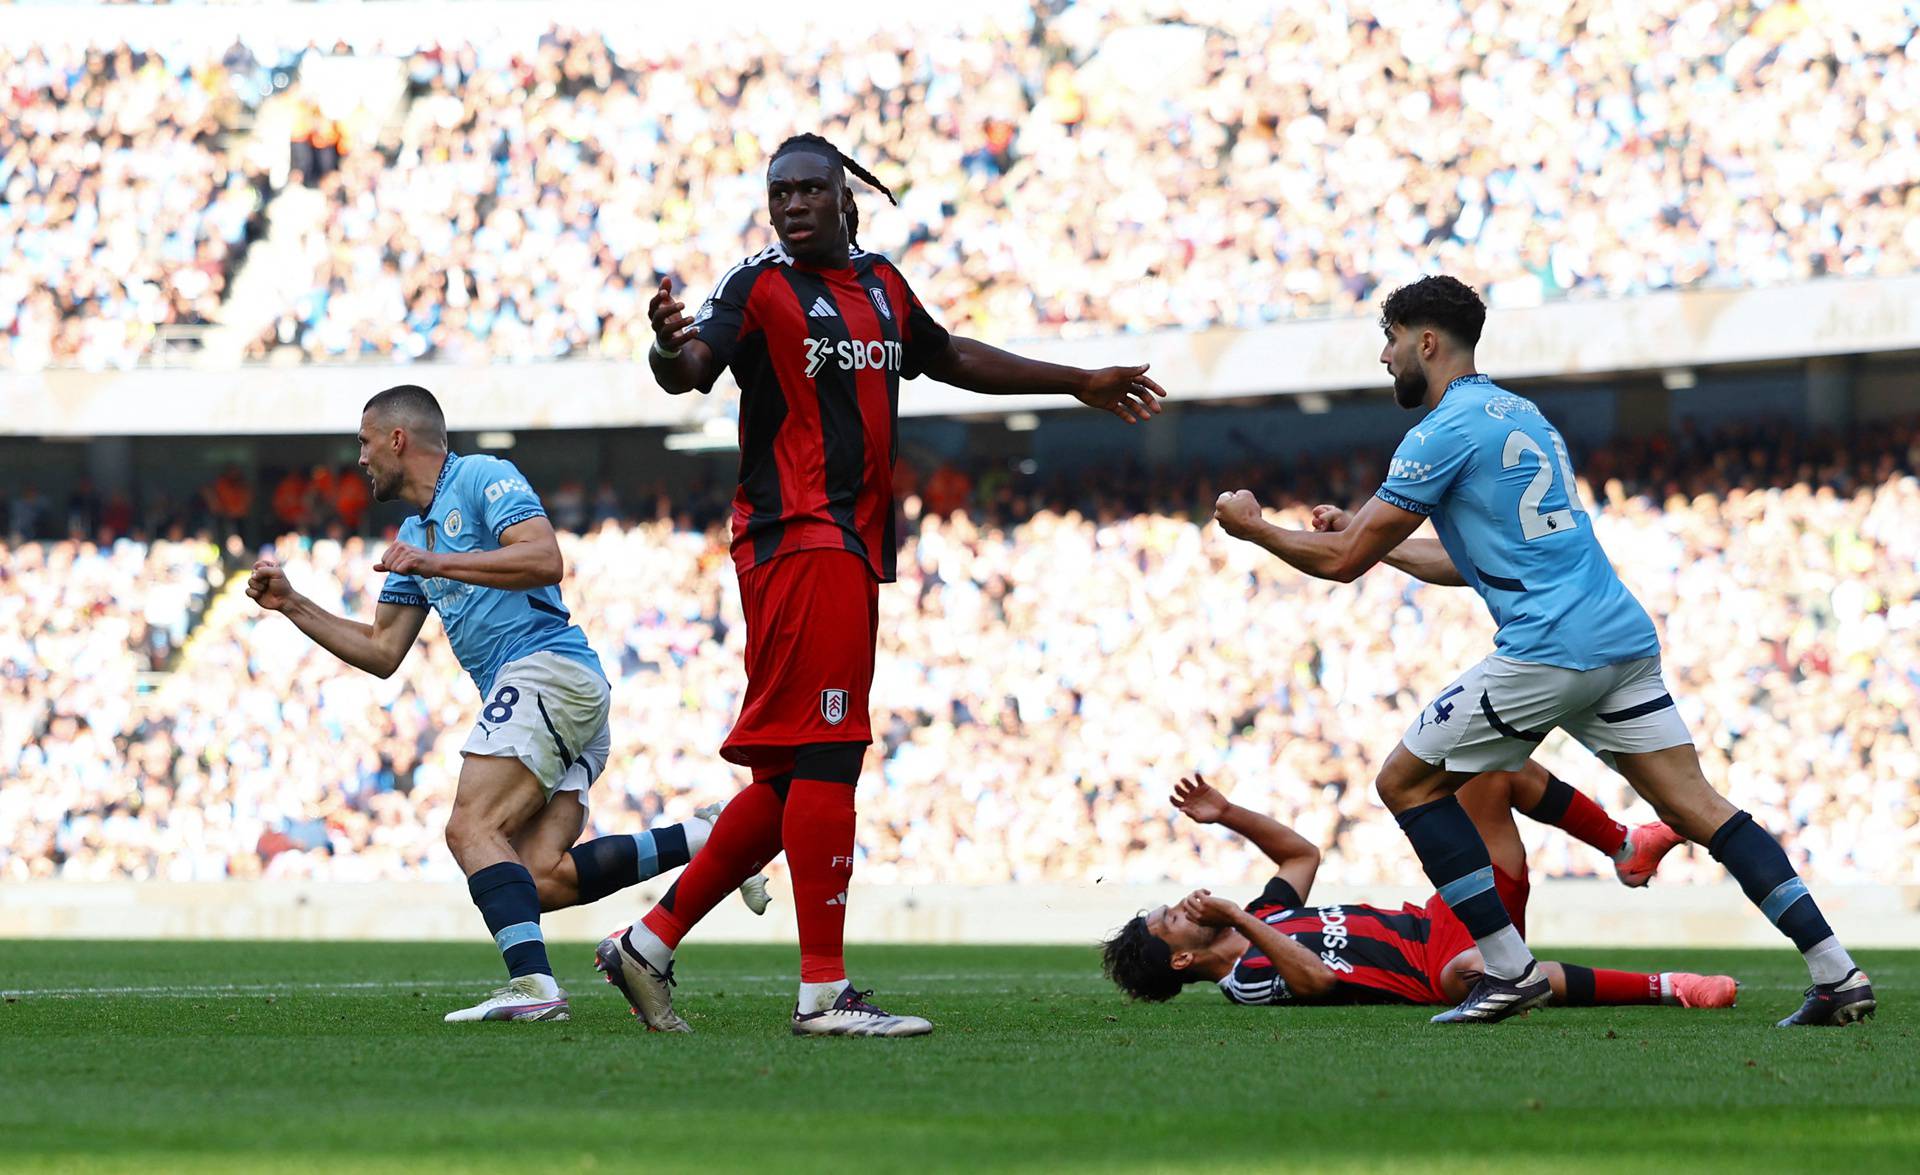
x,y
822,309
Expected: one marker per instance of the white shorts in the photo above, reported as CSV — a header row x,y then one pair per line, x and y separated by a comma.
x,y
1494,715
549,712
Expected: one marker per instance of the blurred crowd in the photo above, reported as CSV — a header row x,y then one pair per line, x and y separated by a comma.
x,y
1136,166
319,499
1049,664
1110,165
122,211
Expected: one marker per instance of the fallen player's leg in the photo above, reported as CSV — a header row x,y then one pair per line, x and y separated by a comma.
x,y
1575,986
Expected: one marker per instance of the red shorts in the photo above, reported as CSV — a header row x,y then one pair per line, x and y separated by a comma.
x,y
813,619
1447,936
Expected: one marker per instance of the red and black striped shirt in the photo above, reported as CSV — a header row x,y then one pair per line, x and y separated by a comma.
x,y
1377,956
819,355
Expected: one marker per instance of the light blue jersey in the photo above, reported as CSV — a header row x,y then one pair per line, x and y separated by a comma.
x,y
475,500
1496,479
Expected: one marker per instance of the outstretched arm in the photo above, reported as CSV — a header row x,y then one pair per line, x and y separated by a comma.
x,y
1295,858
528,558
376,648
1342,555
971,364
1424,559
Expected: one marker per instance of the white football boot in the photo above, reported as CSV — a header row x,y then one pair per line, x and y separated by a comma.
x,y
851,1015
530,997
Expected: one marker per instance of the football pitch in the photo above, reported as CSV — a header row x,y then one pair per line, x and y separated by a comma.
x,y
331,1057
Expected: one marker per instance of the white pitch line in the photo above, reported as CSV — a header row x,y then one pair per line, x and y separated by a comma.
x,y
251,990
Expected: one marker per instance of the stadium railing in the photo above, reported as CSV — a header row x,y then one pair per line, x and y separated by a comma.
x,y
1661,332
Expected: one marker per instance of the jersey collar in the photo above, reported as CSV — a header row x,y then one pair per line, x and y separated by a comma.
x,y
440,483
1475,378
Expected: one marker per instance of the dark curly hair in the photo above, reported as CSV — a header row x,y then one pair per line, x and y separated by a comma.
x,y
1445,303
1140,963
812,142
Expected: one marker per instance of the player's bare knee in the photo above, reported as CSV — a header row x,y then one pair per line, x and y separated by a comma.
x,y
470,834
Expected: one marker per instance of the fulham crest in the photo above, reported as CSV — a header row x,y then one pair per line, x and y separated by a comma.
x,y
880,303
833,706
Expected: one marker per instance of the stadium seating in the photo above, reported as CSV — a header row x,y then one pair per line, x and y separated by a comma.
x,y
122,211
530,195
1047,668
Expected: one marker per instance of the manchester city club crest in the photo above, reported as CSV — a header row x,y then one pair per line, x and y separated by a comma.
x,y
880,302
453,524
833,706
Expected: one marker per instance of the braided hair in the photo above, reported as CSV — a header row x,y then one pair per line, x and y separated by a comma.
x,y
818,145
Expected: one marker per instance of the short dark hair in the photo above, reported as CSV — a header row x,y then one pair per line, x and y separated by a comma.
x,y
1141,963
413,407
1446,303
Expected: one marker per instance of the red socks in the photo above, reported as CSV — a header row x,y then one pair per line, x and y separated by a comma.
x,y
818,834
1581,818
1589,987
743,840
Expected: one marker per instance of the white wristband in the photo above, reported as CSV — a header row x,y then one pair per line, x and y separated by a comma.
x,y
663,352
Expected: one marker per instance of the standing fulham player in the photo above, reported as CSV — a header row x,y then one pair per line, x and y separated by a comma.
x,y
1574,649
819,333
482,553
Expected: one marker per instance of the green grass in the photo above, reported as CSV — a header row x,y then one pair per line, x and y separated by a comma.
x,y
1035,1065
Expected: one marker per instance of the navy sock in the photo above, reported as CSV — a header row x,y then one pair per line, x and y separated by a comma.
x,y
607,865
1456,861
669,847
509,902
1554,802
1761,867
612,863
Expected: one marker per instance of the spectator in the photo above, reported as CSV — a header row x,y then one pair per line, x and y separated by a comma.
x,y
1052,659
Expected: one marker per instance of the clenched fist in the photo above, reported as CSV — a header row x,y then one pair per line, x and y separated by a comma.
x,y
1238,513
1330,518
407,559
268,586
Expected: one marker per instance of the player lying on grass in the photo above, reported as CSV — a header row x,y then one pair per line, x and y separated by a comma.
x,y
482,553
1279,950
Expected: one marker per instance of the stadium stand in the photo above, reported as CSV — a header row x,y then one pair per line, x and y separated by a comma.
x,y
507,221
122,211
1028,723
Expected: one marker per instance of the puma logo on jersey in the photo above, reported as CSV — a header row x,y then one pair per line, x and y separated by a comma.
x,y
822,309
853,355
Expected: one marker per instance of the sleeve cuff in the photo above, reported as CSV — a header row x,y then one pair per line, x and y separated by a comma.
x,y
1402,501
515,519
404,599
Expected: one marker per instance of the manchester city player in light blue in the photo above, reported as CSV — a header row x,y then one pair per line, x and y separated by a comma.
x,y
481,552
1574,649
